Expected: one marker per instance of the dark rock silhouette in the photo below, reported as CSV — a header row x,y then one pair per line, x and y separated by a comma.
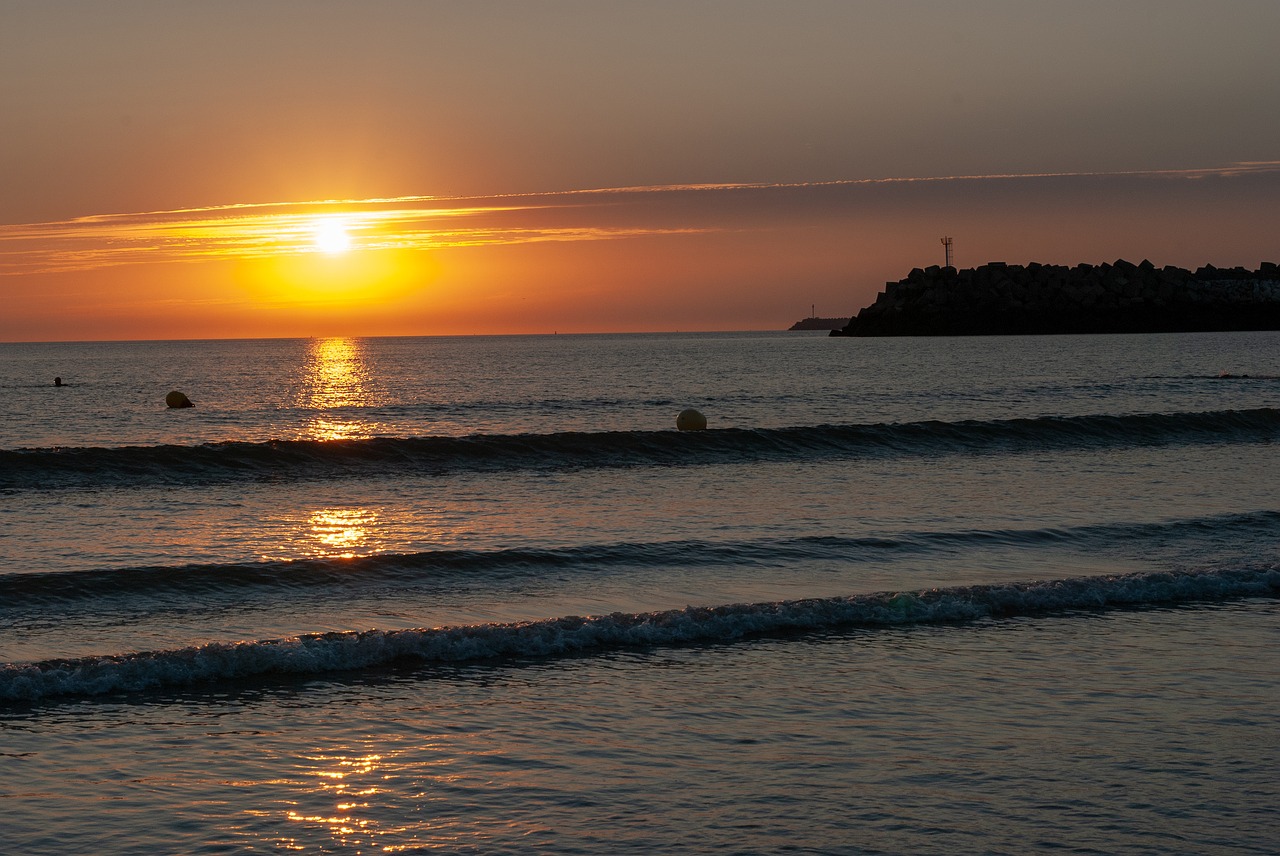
x,y
1000,299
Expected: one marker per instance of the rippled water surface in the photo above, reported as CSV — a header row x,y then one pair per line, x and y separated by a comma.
x,y
904,596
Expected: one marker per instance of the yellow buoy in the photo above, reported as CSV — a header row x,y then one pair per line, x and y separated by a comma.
x,y
691,420
177,399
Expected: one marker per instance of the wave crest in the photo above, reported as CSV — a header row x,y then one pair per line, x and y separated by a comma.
x,y
37,469
573,635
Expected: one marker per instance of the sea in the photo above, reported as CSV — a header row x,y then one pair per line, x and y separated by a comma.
x,y
478,595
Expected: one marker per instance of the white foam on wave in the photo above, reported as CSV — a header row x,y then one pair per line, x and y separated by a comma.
x,y
328,652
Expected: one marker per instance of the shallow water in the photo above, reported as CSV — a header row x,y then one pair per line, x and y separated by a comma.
x,y
1125,732
158,566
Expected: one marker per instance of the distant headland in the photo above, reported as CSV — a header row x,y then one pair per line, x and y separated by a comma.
x,y
815,323
1122,297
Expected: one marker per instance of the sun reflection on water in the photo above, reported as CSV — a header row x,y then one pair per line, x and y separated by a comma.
x,y
337,376
342,779
342,532
411,792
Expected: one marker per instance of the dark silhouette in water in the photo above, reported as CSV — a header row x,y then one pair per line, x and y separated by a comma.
x,y
998,298
57,381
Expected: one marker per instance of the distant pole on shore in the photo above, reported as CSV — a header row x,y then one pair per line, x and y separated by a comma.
x,y
946,248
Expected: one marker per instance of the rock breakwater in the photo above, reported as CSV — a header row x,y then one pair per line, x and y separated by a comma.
x,y
1121,297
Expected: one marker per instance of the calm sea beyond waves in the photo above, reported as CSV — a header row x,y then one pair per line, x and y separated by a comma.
x,y
478,595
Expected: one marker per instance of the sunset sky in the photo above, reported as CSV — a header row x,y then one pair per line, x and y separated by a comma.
x,y
197,170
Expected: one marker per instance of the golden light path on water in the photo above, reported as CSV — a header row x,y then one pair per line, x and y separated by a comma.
x,y
342,532
337,390
336,375
345,794
383,801
345,785
346,782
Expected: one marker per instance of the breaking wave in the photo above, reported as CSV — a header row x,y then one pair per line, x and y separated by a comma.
x,y
575,635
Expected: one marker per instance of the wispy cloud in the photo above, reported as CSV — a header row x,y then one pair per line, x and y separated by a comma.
x,y
252,230
262,230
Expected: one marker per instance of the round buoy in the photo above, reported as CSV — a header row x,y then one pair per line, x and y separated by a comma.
x,y
691,420
177,399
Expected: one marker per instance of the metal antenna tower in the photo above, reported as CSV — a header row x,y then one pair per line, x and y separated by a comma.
x,y
946,246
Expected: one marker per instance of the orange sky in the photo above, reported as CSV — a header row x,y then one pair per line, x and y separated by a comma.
x,y
158,158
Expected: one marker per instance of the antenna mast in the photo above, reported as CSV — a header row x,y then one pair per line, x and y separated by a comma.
x,y
946,246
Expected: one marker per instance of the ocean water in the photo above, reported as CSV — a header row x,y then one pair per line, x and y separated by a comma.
x,y
988,595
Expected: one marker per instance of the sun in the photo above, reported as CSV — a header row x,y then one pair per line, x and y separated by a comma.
x,y
331,236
